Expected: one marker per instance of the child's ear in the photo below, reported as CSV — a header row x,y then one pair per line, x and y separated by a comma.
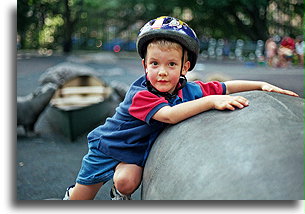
x,y
144,65
186,67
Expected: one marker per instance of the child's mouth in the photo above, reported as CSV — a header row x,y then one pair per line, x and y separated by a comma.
x,y
162,81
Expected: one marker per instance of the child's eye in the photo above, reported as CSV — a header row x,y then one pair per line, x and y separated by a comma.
x,y
154,63
172,64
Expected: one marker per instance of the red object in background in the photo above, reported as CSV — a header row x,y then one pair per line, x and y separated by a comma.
x,y
117,48
288,42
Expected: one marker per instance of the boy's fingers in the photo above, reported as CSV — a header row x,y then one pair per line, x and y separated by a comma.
x,y
287,92
237,104
242,100
279,90
291,93
245,101
230,107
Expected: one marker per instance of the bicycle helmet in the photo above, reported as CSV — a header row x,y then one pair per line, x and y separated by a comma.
x,y
169,28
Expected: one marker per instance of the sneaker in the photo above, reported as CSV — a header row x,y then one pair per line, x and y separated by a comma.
x,y
116,195
67,195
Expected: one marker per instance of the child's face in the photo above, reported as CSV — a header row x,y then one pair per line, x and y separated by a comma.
x,y
163,67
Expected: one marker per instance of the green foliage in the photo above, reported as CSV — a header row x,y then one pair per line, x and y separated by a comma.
x,y
56,23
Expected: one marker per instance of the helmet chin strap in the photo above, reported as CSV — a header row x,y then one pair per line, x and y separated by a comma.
x,y
182,82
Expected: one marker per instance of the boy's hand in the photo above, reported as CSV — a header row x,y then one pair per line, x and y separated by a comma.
x,y
222,102
271,88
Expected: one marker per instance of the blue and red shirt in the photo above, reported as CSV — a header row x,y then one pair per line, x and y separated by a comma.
x,y
130,133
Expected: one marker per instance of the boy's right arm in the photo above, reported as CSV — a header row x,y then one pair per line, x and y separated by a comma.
x,y
185,110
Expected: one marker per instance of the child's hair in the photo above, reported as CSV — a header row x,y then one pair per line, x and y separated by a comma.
x,y
166,44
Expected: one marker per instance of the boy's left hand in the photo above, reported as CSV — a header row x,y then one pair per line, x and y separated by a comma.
x,y
271,88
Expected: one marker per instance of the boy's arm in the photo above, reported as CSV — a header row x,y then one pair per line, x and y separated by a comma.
x,y
235,86
185,110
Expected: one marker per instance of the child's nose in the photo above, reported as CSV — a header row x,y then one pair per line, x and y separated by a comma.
x,y
162,72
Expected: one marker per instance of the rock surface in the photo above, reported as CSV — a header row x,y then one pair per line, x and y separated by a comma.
x,y
30,107
255,153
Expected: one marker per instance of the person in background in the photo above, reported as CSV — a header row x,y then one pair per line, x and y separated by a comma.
x,y
299,49
271,52
286,51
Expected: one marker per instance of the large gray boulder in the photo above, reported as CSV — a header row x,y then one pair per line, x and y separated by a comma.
x,y
30,107
65,71
255,153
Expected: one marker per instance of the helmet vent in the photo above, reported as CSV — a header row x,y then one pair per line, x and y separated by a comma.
x,y
152,22
168,20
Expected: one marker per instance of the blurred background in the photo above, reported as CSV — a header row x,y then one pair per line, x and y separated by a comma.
x,y
236,29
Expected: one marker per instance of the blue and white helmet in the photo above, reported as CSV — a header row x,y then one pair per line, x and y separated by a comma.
x,y
169,28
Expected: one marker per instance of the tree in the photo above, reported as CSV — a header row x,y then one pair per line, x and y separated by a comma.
x,y
232,18
72,11
50,24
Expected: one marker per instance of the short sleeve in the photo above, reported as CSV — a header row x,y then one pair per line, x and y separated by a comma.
x,y
212,88
145,104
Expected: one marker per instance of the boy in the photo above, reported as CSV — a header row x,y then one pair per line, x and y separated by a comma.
x,y
119,148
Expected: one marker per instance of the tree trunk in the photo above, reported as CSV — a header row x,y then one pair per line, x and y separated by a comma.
x,y
67,44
